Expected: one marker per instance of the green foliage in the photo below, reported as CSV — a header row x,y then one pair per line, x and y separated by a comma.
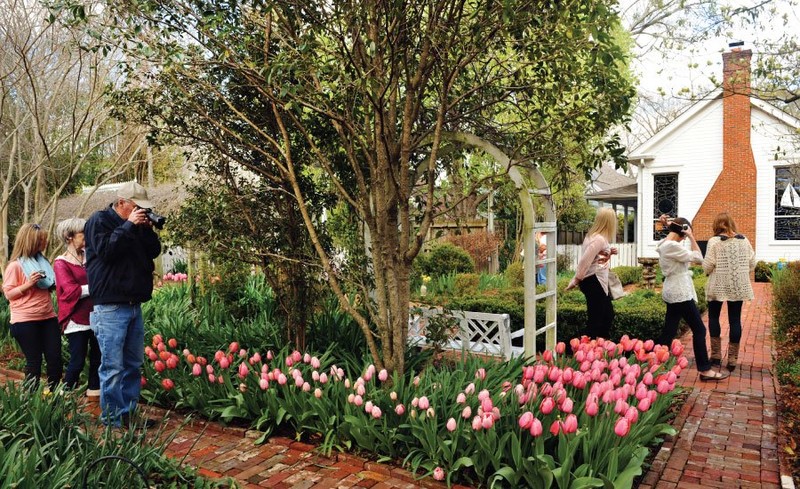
x,y
446,258
49,440
628,275
785,298
763,272
180,266
467,283
515,274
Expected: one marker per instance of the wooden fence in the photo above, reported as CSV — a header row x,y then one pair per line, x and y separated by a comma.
x,y
627,255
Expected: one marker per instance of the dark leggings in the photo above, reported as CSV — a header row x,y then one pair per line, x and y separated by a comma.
x,y
81,343
599,309
37,339
734,319
688,312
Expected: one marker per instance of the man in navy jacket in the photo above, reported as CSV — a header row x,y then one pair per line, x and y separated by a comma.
x,y
120,248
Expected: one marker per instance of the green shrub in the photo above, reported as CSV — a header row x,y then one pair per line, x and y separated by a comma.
x,y
628,275
515,274
785,298
467,283
763,272
446,258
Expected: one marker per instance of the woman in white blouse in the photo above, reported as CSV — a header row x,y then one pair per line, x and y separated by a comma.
x,y
729,260
591,274
679,294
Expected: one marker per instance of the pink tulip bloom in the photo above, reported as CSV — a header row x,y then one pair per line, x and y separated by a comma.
x,y
153,356
318,393
539,374
663,387
233,347
484,394
451,425
527,372
566,406
526,420
466,413
224,363
212,378
424,403
399,409
647,379
168,384
547,405
282,379
159,366
307,358
315,376
570,424
480,374
592,409
315,363
296,356
561,347
415,381
263,383
161,347
368,406
358,400
243,370
306,387
323,378
476,423
536,428
197,369
547,356
242,353
298,381
143,381
632,415
289,361
555,428
351,397
361,390
393,396
430,412
270,356
622,427
255,358
346,383
486,405
383,375
470,389
415,402
438,474
676,348
487,421
220,380
683,362
218,355
376,412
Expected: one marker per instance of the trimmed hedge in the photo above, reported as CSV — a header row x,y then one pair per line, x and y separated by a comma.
x,y
628,275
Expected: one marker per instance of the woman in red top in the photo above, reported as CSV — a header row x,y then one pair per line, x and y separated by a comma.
x,y
27,282
74,306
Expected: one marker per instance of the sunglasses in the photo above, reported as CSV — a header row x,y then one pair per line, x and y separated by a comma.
x,y
722,237
36,227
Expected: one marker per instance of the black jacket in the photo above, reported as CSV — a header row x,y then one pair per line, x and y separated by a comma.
x,y
119,258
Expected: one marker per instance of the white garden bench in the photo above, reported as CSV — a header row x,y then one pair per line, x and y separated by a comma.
x,y
478,332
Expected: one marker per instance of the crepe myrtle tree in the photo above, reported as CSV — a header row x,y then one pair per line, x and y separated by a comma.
x,y
366,95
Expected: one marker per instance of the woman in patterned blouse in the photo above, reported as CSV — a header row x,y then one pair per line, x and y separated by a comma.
x,y
729,260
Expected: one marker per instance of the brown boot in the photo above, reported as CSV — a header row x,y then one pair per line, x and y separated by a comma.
x,y
733,356
716,352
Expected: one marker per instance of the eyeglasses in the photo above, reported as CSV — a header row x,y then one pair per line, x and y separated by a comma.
x,y
36,227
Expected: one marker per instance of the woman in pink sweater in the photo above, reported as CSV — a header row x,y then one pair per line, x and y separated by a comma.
x,y
27,283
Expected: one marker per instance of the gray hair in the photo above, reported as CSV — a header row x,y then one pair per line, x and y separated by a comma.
x,y
68,228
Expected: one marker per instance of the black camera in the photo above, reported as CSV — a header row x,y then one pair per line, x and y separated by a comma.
x,y
157,219
678,228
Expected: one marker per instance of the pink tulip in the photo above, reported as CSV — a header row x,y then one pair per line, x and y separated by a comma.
x,y
480,374
644,404
383,375
233,347
361,390
632,415
466,413
570,424
547,405
315,376
297,356
592,409
282,379
218,355
399,409
255,358
487,421
476,423
298,381
263,383
561,347
143,381
224,363
526,420
173,343
159,366
430,412
547,356
306,387
242,353
536,428
197,369
358,400
622,427
351,397
168,384
315,363
161,347
212,378
243,370
307,358
318,393
438,474
451,425
368,406
376,412
323,378
424,403
555,428
664,387
289,361
270,356
566,406
415,381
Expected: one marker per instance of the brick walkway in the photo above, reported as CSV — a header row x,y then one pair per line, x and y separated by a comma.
x,y
727,435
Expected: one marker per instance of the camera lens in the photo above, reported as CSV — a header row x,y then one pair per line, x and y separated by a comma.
x,y
157,220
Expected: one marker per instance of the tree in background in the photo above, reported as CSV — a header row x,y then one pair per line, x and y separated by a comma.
x,y
366,96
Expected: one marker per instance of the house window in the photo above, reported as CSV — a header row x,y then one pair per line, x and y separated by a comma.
x,y
787,203
665,200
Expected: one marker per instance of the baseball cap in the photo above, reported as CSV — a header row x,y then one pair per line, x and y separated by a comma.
x,y
135,192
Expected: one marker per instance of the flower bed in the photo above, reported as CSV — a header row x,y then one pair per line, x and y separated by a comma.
x,y
583,417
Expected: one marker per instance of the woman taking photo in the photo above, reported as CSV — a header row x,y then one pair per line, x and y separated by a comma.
x,y
74,306
27,282
679,294
729,260
591,274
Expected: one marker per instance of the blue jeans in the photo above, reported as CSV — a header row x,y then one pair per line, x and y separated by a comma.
x,y
81,343
119,329
37,339
541,277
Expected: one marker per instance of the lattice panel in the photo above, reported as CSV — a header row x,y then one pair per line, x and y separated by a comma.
x,y
483,333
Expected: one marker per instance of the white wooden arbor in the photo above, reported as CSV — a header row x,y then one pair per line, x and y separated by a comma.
x,y
529,182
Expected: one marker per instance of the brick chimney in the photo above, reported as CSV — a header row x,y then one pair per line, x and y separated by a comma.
x,y
735,189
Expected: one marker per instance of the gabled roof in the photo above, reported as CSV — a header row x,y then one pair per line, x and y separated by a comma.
x,y
643,151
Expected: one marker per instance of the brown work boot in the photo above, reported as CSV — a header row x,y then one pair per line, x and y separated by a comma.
x,y
716,352
733,356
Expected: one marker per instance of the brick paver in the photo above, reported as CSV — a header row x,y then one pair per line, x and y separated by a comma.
x,y
727,435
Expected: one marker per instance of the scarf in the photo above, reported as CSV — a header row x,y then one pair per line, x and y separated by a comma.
x,y
38,263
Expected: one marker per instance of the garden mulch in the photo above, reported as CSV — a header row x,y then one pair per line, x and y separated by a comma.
x,y
727,436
